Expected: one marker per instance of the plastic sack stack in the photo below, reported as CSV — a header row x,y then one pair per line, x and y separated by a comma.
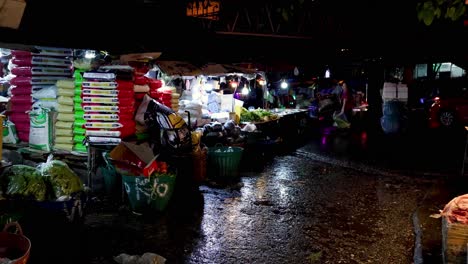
x,y
78,124
34,71
168,96
65,116
109,105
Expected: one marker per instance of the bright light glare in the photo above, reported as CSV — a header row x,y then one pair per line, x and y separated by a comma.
x,y
234,84
262,82
245,91
327,73
208,86
90,54
284,85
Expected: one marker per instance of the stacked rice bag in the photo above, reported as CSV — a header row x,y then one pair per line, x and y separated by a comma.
x,y
141,88
168,96
109,105
65,117
78,125
34,71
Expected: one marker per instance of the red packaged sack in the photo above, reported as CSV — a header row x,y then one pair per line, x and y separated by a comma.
x,y
155,84
124,85
139,96
141,80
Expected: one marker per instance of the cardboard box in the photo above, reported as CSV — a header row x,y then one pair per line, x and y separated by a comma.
x,y
140,156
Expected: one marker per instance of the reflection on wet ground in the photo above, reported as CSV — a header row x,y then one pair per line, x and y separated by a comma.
x,y
288,208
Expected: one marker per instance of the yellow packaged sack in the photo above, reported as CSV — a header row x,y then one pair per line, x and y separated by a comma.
x,y
65,117
63,132
65,100
64,124
64,140
68,109
66,92
67,147
66,84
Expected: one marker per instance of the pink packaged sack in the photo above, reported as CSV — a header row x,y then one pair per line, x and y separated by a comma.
x,y
23,136
20,90
35,80
37,60
20,108
30,71
21,99
23,127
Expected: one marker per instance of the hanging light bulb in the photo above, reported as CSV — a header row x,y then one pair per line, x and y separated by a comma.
x,y
245,91
90,54
284,85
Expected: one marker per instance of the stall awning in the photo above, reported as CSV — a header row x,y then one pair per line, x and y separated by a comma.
x,y
179,68
214,69
182,68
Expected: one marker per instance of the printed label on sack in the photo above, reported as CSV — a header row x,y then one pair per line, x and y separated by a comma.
x,y
103,85
50,61
102,133
102,125
103,100
100,108
103,117
100,92
99,75
52,71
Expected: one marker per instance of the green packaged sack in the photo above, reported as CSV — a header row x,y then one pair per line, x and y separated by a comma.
x,y
79,131
80,148
79,114
78,138
79,122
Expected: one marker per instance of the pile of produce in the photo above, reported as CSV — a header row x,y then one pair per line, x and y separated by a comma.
x,y
50,181
228,132
256,115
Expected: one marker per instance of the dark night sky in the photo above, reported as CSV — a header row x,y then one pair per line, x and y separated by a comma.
x,y
369,28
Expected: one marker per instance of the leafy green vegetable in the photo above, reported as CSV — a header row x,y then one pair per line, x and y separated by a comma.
x,y
64,181
24,181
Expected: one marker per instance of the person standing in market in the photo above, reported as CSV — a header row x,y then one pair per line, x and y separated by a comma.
x,y
346,100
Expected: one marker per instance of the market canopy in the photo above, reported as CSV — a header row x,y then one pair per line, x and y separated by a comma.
x,y
182,68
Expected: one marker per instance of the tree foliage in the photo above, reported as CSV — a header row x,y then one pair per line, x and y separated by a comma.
x,y
430,10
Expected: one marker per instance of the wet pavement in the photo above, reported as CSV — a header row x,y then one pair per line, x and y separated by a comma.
x,y
342,197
